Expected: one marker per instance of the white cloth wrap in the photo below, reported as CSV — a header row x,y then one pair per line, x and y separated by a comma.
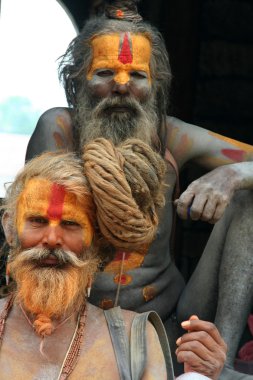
x,y
192,376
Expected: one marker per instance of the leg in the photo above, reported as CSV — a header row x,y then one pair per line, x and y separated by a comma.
x,y
174,331
221,288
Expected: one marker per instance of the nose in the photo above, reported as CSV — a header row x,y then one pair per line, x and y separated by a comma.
x,y
52,237
121,83
121,88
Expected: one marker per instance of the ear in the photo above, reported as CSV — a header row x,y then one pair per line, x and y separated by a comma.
x,y
7,227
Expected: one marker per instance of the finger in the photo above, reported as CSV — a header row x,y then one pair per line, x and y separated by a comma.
x,y
204,327
220,209
197,207
198,348
199,337
205,353
183,203
193,318
209,210
208,368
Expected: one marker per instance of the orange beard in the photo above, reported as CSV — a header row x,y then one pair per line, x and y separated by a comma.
x,y
49,292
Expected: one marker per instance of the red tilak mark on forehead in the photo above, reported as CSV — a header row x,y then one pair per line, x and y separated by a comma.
x,y
125,55
56,202
234,154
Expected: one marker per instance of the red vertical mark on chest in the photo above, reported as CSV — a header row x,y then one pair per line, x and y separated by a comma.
x,y
119,254
119,13
125,55
234,154
56,202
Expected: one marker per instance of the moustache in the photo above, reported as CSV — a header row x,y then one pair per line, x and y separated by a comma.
x,y
124,104
36,255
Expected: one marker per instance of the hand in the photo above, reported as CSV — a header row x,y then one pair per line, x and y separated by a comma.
x,y
207,198
202,349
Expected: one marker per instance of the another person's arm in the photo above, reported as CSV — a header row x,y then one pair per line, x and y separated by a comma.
x,y
53,132
231,161
201,349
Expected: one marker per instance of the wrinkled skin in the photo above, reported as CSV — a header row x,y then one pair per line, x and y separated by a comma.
x,y
206,198
201,349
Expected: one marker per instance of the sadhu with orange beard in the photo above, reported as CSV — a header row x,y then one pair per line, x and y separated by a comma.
x,y
58,237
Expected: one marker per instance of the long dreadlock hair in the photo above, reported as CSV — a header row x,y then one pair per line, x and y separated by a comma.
x,y
76,62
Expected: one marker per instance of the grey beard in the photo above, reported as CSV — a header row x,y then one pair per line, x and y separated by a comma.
x,y
135,120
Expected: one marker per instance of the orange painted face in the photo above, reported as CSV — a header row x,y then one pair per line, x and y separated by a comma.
x,y
43,206
126,55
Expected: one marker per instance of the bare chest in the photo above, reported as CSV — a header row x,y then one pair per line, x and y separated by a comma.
x,y
23,355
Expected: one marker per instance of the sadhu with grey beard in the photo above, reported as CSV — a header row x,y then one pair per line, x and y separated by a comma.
x,y
59,221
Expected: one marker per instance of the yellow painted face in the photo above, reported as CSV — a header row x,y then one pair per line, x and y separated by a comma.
x,y
123,53
42,198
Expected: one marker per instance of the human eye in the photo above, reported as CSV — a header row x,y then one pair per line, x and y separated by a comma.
x,y
38,220
69,223
138,74
104,73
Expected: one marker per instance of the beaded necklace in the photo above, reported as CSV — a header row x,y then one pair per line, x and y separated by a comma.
x,y
74,349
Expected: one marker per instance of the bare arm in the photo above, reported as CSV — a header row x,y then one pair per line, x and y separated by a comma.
x,y
189,142
53,132
207,197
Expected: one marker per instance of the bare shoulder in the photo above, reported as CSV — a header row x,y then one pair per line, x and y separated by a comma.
x,y
182,127
188,141
54,131
127,315
97,314
56,115
151,333
181,138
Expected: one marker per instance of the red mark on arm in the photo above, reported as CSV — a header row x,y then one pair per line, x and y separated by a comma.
x,y
234,154
58,140
125,55
56,202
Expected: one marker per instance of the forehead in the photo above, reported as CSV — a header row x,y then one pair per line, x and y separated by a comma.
x,y
123,48
45,198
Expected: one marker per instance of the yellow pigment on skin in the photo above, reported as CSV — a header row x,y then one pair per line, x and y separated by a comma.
x,y
64,126
106,50
237,144
211,162
172,135
185,144
34,201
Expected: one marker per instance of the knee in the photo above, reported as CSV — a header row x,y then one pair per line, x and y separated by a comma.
x,y
240,208
242,201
